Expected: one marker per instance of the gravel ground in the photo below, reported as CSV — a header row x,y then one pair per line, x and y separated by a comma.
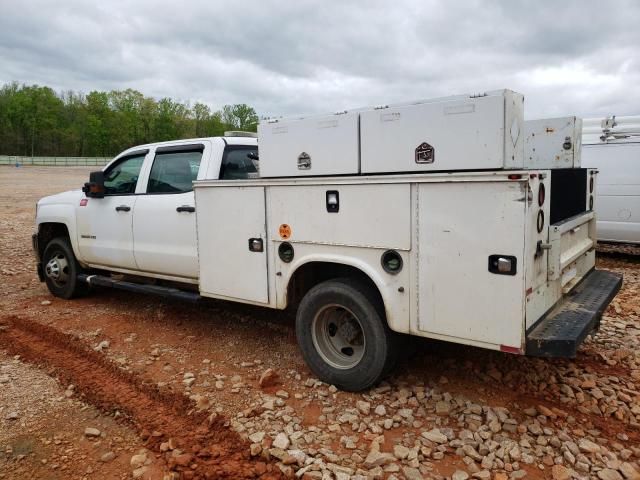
x,y
449,411
42,430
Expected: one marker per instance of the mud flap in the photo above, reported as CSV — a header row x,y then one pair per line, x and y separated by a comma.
x,y
36,251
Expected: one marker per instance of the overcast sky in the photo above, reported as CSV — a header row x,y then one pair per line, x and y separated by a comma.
x,y
292,57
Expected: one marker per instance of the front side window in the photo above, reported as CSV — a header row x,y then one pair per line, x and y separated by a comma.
x,y
239,163
121,178
174,172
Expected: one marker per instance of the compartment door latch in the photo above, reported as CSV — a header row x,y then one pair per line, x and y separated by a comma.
x,y
503,264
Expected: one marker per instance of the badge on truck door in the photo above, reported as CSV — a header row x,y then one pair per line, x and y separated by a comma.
x,y
424,153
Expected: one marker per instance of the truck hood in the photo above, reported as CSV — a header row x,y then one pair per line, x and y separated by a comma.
x,y
71,197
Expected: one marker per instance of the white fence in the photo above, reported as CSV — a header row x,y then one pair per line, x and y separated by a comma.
x,y
54,161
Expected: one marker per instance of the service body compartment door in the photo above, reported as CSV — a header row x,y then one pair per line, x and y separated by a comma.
x,y
460,226
227,218
368,215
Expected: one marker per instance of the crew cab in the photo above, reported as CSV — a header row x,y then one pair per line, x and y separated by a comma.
x,y
145,223
449,218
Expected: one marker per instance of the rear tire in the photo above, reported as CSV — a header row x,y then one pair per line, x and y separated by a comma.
x,y
343,335
61,270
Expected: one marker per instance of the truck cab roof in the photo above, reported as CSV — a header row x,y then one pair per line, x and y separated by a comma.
x,y
226,140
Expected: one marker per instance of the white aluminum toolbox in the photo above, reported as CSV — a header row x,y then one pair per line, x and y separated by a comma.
x,y
311,146
553,143
464,132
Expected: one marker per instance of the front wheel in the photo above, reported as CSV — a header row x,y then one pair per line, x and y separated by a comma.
x,y
343,335
61,270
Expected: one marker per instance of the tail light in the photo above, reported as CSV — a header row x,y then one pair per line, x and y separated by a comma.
x,y
540,221
542,194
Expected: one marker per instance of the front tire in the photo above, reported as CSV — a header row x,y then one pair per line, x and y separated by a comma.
x,y
61,270
343,335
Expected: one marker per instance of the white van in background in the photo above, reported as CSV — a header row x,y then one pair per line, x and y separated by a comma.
x,y
612,145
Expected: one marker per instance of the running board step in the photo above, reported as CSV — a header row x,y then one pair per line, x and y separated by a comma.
x,y
102,281
562,330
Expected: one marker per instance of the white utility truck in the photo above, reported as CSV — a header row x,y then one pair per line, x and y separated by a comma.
x,y
448,218
612,145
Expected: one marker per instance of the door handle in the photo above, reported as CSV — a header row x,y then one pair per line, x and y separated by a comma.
x,y
256,245
123,208
186,208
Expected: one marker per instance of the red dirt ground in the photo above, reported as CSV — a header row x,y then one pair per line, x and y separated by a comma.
x,y
211,449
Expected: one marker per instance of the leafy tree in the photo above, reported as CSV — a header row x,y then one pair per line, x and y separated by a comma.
x,y
35,114
172,120
100,119
201,114
34,120
240,116
207,124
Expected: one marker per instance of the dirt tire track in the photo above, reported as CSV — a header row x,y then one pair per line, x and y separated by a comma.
x,y
157,415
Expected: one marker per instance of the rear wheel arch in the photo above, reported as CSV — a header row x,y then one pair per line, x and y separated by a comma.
x,y
311,273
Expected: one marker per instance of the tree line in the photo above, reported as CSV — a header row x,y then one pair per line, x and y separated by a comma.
x,y
36,121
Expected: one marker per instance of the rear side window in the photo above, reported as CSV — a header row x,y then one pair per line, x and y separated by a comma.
x,y
237,164
121,179
174,172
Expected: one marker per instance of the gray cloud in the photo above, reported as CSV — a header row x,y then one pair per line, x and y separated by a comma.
x,y
573,57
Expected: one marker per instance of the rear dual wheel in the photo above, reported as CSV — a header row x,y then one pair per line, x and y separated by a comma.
x,y
343,334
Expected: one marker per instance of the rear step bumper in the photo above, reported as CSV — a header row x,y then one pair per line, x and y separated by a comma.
x,y
561,331
102,281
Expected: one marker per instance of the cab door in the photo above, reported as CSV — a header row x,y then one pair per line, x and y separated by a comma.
x,y
164,220
105,235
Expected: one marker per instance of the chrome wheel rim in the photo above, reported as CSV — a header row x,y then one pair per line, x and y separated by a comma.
x,y
338,336
57,269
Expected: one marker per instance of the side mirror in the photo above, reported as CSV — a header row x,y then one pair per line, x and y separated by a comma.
x,y
94,188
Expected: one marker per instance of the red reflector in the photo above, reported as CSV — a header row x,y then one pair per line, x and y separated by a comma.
x,y
529,290
515,176
542,194
508,349
84,202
